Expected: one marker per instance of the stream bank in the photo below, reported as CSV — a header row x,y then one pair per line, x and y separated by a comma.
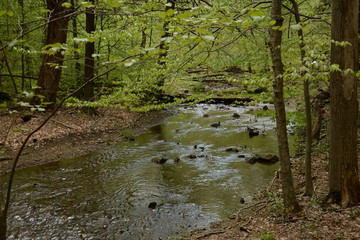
x,y
263,218
69,134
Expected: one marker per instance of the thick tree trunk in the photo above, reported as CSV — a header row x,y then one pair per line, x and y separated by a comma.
x,y
344,186
309,188
290,202
89,51
49,77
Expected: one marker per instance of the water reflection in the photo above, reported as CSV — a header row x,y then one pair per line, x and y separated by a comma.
x,y
105,195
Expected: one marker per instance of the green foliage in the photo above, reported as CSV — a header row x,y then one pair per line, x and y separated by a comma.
x,y
266,235
276,206
226,34
267,113
296,119
127,134
353,213
175,238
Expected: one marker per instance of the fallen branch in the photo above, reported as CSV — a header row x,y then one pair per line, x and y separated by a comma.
x,y
5,159
211,75
62,124
250,206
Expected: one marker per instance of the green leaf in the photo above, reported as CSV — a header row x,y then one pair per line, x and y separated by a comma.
x,y
129,63
296,27
203,31
245,10
256,13
348,71
9,13
185,15
341,44
272,22
86,4
335,68
81,39
66,5
28,94
258,19
44,10
208,37
24,104
13,43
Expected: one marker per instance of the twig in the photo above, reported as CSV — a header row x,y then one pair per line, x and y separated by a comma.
x,y
273,181
9,70
63,124
250,206
17,76
8,131
37,27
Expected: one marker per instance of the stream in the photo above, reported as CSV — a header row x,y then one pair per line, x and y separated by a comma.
x,y
106,194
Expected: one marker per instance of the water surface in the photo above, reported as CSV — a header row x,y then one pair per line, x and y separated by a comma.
x,y
105,195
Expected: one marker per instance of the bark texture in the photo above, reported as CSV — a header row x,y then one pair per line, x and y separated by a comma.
x,y
344,186
88,92
309,188
290,202
49,77
164,45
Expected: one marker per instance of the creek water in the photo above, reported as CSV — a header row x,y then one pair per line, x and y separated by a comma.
x,y
105,195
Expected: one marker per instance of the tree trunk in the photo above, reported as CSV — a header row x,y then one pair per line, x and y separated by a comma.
x,y
315,133
344,186
3,224
290,202
23,60
76,46
143,38
49,77
164,45
309,188
89,51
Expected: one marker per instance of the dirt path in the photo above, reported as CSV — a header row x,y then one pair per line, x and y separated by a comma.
x,y
69,134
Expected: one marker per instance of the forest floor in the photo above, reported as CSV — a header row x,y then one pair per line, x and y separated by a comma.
x,y
72,133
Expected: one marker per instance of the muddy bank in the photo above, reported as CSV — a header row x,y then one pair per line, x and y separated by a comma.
x,y
69,134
